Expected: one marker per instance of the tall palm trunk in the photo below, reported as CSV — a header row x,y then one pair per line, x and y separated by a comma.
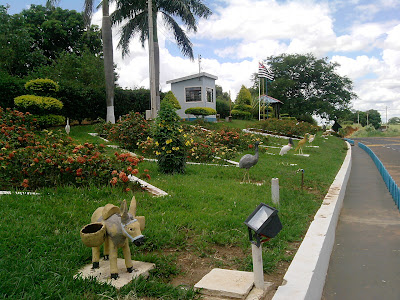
x,y
156,60
108,62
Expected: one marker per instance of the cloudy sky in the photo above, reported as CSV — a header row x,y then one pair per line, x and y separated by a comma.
x,y
363,36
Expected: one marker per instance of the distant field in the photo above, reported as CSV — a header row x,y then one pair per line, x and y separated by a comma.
x,y
393,130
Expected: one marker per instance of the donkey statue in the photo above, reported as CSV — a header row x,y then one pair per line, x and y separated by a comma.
x,y
121,226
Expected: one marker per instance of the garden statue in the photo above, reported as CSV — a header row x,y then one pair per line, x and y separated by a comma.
x,y
114,227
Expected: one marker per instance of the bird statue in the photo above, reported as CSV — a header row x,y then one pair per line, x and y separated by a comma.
x,y
301,144
286,148
248,160
67,127
311,138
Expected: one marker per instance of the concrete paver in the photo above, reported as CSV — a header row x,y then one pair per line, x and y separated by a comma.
x,y
365,262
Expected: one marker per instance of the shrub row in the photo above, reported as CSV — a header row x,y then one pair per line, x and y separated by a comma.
x,y
287,127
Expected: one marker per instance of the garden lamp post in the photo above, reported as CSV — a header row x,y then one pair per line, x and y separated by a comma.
x,y
263,222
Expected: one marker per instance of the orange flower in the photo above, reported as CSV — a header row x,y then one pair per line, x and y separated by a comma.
x,y
122,174
79,172
114,180
127,189
35,160
115,172
135,171
25,183
148,176
80,160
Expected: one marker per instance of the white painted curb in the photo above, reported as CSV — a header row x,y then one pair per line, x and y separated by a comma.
x,y
305,277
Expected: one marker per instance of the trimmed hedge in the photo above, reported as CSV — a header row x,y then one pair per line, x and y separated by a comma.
x,y
38,104
50,120
200,111
240,114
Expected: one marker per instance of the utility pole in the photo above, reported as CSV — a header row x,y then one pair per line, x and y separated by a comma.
x,y
152,72
386,119
367,119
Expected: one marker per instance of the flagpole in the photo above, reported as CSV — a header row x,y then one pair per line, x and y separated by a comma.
x,y
259,100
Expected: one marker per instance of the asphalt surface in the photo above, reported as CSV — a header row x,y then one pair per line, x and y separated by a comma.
x,y
365,262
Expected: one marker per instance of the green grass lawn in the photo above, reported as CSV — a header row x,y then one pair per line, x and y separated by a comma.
x,y
41,249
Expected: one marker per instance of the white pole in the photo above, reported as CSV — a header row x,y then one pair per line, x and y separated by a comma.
x,y
259,100
257,266
275,190
151,62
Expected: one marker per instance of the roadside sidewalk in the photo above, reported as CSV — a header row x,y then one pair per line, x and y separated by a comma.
x,y
365,262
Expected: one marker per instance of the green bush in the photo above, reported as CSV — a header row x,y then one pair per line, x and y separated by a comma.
x,y
243,107
42,87
10,87
287,127
169,141
170,97
46,121
129,131
201,111
222,107
38,104
241,115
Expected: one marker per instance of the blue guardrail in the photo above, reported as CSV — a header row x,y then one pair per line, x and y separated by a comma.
x,y
351,142
390,183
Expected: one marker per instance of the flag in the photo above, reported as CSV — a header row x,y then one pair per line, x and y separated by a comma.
x,y
265,72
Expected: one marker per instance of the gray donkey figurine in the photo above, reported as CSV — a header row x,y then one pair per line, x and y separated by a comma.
x,y
114,227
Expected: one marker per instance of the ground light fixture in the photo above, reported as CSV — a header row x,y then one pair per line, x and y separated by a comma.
x,y
263,223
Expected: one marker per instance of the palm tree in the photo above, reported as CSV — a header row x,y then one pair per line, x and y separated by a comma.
x,y
135,13
106,34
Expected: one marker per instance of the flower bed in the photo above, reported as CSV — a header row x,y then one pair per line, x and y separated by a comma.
x,y
288,128
31,159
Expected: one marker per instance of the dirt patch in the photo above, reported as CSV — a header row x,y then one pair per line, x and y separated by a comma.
x,y
194,266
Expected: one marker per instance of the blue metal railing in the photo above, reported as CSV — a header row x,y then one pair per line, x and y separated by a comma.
x,y
390,183
351,142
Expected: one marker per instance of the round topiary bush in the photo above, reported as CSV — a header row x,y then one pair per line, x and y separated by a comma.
x,y
42,87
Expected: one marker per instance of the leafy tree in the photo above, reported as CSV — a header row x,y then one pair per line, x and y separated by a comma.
x,y
394,121
134,15
243,97
369,117
309,86
39,35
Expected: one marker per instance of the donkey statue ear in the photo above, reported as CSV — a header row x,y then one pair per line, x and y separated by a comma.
x,y
132,206
124,212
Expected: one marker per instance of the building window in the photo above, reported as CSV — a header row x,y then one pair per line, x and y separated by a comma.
x,y
210,95
193,94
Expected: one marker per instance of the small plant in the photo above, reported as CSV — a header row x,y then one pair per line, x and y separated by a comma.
x,y
169,142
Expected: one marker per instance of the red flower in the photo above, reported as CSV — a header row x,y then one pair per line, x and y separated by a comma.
x,y
251,146
115,172
148,176
145,170
80,160
79,172
35,160
127,189
122,174
48,160
135,171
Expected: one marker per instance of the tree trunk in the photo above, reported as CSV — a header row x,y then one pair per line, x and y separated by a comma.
x,y
108,62
156,60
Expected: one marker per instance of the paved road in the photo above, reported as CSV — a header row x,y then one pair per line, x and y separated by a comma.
x,y
388,151
365,262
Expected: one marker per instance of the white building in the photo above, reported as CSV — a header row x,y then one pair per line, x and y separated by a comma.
x,y
196,90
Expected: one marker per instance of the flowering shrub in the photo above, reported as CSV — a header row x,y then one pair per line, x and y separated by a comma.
x,y
32,159
169,142
131,129
287,127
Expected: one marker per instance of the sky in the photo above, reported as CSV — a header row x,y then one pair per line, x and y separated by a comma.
x,y
363,36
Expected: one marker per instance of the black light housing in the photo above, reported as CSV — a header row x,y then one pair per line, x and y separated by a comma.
x,y
264,221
